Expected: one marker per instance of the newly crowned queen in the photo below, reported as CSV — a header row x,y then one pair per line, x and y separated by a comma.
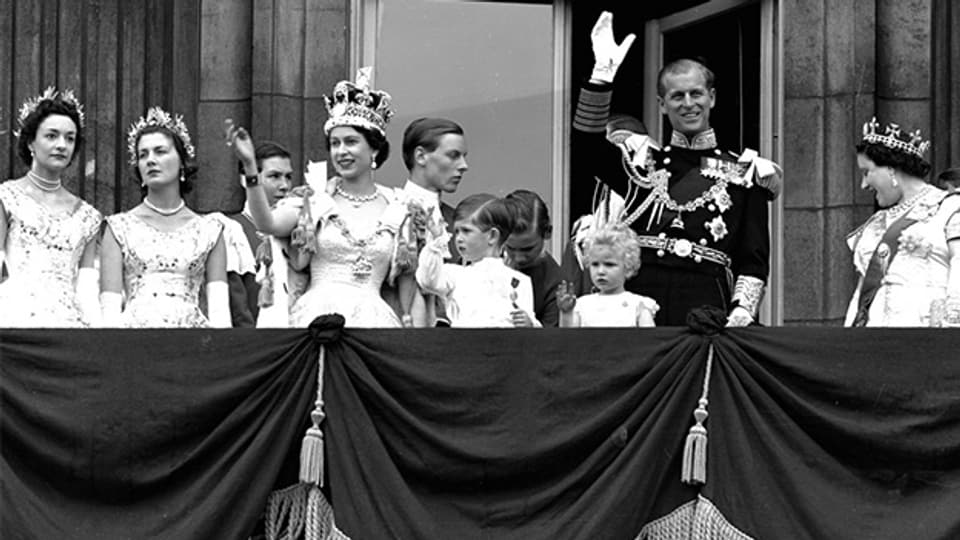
x,y
907,255
345,229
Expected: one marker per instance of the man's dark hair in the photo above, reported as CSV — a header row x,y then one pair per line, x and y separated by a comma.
x,y
949,178
426,132
680,66
266,150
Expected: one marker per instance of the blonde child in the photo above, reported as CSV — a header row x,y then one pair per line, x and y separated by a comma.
x,y
613,255
484,292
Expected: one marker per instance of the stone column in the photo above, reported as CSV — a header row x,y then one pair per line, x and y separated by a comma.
x,y
904,63
225,72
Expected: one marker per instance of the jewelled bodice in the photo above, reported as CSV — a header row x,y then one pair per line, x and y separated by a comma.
x,y
344,259
163,270
349,266
42,244
43,249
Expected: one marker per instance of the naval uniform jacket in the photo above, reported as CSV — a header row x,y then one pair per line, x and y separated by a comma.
x,y
738,231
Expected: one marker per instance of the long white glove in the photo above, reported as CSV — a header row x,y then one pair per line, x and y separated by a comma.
x,y
607,54
110,306
218,304
88,289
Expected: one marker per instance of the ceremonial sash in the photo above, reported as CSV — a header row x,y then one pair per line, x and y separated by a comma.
x,y
879,262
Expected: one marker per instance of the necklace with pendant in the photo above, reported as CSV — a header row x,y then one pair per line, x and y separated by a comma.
x,y
164,211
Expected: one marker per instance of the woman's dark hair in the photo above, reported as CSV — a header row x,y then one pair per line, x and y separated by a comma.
x,y
487,212
897,159
187,166
530,213
377,141
32,123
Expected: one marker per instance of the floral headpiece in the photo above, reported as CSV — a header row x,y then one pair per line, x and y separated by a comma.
x,y
894,139
158,117
50,94
358,105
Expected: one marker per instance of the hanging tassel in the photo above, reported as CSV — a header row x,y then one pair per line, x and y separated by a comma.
x,y
694,469
311,451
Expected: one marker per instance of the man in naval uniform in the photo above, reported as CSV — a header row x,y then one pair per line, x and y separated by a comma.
x,y
701,212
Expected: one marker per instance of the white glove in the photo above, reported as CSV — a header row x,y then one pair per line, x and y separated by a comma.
x,y
110,305
607,55
739,317
88,288
218,304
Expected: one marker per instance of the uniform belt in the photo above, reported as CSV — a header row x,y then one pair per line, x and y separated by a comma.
x,y
684,249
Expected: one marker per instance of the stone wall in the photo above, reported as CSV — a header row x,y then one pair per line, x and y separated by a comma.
x,y
846,61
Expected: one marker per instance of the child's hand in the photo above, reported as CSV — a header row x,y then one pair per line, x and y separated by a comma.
x,y
521,319
566,300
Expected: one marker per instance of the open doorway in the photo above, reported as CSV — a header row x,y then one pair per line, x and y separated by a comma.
x,y
729,44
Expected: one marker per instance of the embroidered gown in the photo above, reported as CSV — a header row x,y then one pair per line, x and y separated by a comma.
x,y
350,264
43,256
164,270
916,277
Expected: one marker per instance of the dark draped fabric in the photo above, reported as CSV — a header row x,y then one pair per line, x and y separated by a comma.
x,y
175,434
481,434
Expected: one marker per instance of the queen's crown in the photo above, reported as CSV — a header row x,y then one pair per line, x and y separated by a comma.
x,y
356,104
892,137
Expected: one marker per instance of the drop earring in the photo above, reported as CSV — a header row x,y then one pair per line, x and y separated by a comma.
x,y
373,164
893,178
182,177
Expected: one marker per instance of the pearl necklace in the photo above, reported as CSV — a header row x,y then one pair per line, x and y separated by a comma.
x,y
164,211
357,200
42,183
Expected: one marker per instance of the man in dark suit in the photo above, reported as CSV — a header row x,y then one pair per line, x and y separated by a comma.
x,y
276,177
435,154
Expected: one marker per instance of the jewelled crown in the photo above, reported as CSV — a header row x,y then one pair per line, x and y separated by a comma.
x,y
50,94
895,139
356,104
158,117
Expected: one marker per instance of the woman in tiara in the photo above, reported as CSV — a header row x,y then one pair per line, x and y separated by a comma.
x,y
346,231
47,234
908,253
156,256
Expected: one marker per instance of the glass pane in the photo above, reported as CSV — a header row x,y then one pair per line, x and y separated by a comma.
x,y
487,66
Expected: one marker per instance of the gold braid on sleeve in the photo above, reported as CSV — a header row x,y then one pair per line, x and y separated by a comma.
x,y
748,292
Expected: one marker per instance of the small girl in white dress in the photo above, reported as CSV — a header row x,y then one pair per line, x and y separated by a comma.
x,y
484,291
613,256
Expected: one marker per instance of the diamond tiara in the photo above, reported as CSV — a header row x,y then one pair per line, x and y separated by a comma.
x,y
158,117
50,94
895,139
